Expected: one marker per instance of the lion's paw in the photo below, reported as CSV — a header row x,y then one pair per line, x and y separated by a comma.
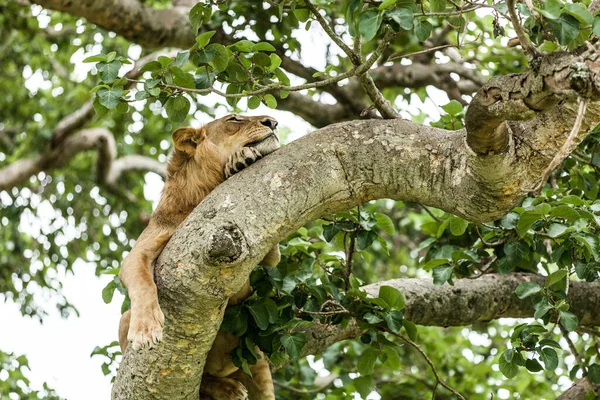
x,y
145,328
240,160
230,389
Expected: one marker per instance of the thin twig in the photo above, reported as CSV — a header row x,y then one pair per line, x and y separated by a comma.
x,y
510,4
330,379
428,211
572,348
397,56
593,332
355,58
562,153
428,360
490,244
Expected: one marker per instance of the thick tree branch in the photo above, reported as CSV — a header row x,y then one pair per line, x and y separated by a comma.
x,y
579,390
131,19
560,76
362,160
109,168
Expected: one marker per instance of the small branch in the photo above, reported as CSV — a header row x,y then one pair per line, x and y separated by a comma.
x,y
397,56
355,58
572,347
566,147
428,360
327,382
525,44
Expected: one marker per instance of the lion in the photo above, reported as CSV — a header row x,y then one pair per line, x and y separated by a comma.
x,y
202,159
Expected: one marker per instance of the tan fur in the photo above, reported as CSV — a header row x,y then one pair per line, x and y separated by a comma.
x,y
202,159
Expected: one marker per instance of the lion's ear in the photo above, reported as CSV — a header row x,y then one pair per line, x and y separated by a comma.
x,y
186,139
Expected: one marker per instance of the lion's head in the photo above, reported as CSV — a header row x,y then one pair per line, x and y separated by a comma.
x,y
228,144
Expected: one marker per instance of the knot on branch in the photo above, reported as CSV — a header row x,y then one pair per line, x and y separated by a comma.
x,y
581,80
226,245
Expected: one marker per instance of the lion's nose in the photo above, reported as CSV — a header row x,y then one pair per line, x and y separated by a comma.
x,y
270,122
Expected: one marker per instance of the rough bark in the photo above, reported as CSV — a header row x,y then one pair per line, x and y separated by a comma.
x,y
332,169
519,97
579,390
467,302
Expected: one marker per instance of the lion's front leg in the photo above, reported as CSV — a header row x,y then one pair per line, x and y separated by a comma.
x,y
272,258
240,160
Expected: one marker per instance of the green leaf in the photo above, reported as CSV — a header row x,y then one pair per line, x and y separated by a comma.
x,y
243,46
367,360
549,358
182,58
596,26
542,309
528,218
568,320
203,39
551,9
372,318
270,101
165,61
253,102
386,4
594,373
235,320
260,314
453,108
437,5
580,12
590,243
98,107
109,98
369,23
293,344
177,108
533,365
556,276
182,79
275,62
508,368
442,274
151,66
263,46
364,385
555,230
458,226
385,223
364,239
301,14
393,319
392,296
564,211
393,359
411,329
196,15
109,71
109,291
403,17
526,289
422,29
434,263
565,29
97,58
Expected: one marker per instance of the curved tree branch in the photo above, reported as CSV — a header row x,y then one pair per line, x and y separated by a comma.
x,y
558,77
332,169
131,19
109,168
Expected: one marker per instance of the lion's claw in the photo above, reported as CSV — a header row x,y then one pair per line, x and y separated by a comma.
x,y
240,160
145,329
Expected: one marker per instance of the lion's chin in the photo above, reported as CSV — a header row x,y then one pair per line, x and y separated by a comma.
x,y
266,145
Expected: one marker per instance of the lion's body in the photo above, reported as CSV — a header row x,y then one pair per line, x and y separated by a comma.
x,y
202,159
